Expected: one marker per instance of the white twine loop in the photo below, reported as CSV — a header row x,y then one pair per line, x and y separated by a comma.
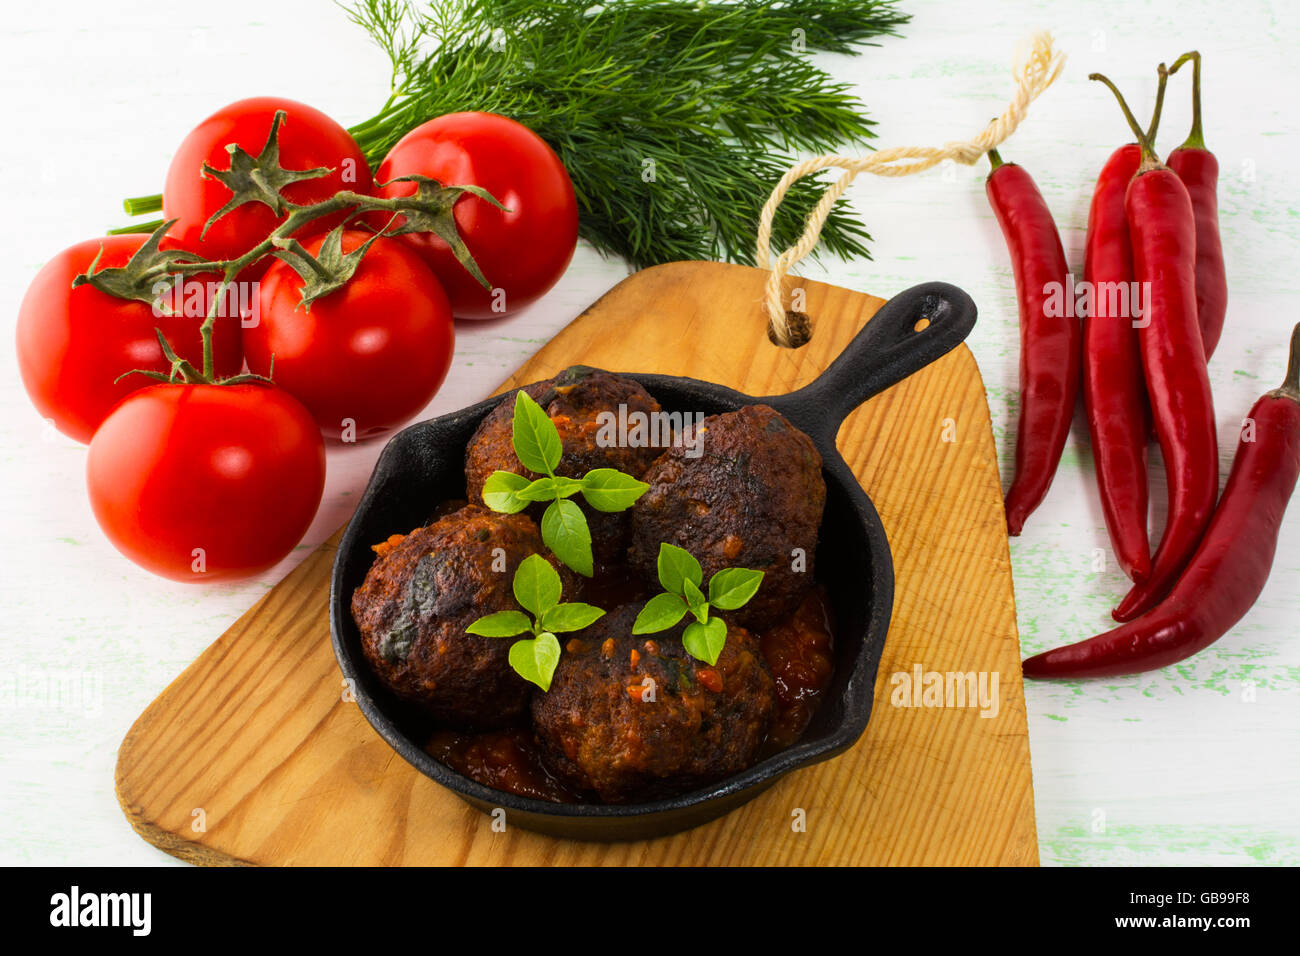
x,y
1034,73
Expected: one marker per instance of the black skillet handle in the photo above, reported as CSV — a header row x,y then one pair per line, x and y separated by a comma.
x,y
889,348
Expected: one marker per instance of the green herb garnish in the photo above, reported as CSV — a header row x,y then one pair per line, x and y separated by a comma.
x,y
565,530
537,588
673,119
681,577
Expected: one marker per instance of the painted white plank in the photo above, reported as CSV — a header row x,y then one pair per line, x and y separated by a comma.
x,y
1178,767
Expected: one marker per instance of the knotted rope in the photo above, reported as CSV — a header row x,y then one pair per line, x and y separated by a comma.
x,y
1034,73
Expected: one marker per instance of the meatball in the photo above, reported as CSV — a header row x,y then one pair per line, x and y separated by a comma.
x,y
423,590
573,399
752,495
634,717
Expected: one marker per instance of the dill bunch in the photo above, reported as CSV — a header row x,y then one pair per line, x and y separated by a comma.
x,y
674,119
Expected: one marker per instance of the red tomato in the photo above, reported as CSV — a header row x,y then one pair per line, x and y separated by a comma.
x,y
522,252
363,358
308,139
74,343
206,482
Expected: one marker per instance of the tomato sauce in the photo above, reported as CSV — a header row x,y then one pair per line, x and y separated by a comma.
x,y
800,657
503,759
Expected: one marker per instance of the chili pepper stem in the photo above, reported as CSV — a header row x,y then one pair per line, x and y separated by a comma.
x,y
1290,387
1161,83
995,158
1145,138
1196,138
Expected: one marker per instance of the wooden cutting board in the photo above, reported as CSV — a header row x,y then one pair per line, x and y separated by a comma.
x,y
254,754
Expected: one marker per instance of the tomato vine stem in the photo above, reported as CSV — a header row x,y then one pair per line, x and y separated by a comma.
x,y
139,205
431,204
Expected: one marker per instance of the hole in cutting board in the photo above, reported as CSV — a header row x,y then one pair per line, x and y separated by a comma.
x,y
800,326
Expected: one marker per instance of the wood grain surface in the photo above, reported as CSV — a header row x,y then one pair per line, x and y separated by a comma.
x,y
254,754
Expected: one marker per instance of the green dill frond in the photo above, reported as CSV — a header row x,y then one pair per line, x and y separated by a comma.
x,y
674,120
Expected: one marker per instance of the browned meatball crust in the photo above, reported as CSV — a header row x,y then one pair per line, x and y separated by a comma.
x,y
573,400
599,730
754,495
423,590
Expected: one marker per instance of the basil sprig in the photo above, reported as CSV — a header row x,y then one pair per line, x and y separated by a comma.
x,y
681,577
537,588
565,531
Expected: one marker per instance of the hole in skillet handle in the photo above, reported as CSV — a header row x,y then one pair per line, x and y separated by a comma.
x,y
911,330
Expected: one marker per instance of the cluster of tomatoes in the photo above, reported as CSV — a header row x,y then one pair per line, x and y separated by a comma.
x,y
212,467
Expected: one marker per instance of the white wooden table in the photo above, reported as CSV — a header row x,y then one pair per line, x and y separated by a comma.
x,y
1199,764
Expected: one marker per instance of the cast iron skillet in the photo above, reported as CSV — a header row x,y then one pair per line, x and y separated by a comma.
x,y
424,465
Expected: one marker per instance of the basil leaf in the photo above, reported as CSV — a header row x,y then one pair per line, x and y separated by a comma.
x,y
567,487
501,492
536,441
543,489
705,641
565,532
677,566
696,601
660,613
571,617
536,585
608,489
731,588
546,489
534,660
501,624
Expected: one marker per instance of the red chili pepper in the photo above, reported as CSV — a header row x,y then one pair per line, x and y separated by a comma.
x,y
1114,393
1050,344
1228,572
1197,167
1163,232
